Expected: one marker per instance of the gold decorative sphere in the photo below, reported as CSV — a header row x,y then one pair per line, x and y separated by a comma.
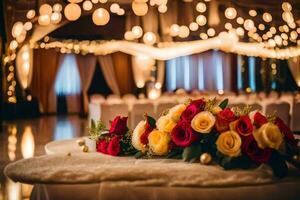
x,y
205,158
84,148
80,142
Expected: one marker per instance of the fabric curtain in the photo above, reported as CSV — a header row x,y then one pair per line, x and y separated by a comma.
x,y
107,67
160,78
124,73
150,22
86,67
43,78
294,65
167,19
213,16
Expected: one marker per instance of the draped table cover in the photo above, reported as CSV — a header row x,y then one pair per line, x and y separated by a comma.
x,y
68,172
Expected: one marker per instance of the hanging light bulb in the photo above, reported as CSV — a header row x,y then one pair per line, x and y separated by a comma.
x,y
230,13
137,31
211,32
140,9
261,27
267,17
57,7
249,24
193,26
201,7
114,8
87,5
184,31
278,40
228,26
240,20
271,43
30,14
293,35
162,8
28,26
44,20
55,17
72,11
203,36
45,9
121,11
201,20
240,31
13,44
252,13
128,35
149,38
286,6
101,17
17,29
174,30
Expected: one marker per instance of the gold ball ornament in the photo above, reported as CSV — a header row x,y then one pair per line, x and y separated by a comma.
x,y
205,159
85,148
80,142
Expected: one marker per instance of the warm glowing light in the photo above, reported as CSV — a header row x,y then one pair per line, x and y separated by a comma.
x,y
30,14
140,9
240,31
278,40
261,27
57,7
193,26
45,9
44,20
240,20
25,55
252,13
267,17
87,5
249,24
293,35
184,31
17,29
228,26
56,17
284,36
174,30
273,30
211,32
286,6
203,36
137,31
101,17
201,20
230,13
162,8
121,11
27,143
72,11
13,44
28,26
149,38
114,7
272,43
201,7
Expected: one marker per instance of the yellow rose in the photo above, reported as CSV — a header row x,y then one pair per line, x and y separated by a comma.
x,y
165,124
175,112
159,142
216,110
229,143
136,137
268,135
203,122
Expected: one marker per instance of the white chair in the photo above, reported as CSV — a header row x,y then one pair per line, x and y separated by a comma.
x,y
138,112
129,97
110,111
281,109
162,107
97,98
114,99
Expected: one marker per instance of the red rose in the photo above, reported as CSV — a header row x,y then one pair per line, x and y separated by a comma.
x,y
256,154
223,119
118,126
183,135
259,119
244,126
114,147
286,131
193,109
102,146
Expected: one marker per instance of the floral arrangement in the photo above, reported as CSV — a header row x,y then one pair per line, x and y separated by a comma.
x,y
204,130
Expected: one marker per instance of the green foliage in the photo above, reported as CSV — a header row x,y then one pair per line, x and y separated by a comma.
x,y
126,145
175,153
224,103
151,121
97,130
192,153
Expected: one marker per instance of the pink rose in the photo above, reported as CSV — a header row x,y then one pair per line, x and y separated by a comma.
x,y
183,135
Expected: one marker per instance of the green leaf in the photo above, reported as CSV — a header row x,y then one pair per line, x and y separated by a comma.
x,y
175,153
93,123
191,153
223,104
151,121
139,154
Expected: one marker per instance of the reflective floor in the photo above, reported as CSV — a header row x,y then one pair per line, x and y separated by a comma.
x,y
26,138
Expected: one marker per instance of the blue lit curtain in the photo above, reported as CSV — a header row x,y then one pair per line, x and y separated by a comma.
x,y
68,79
210,71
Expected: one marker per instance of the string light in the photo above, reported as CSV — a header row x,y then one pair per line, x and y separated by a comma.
x,y
240,20
201,7
252,13
211,32
201,20
194,26
267,17
230,13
